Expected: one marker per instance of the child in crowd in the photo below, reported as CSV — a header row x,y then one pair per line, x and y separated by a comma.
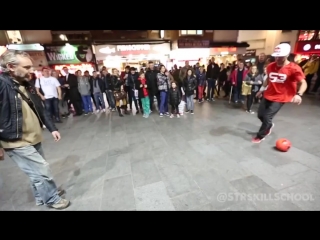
x,y
144,95
174,99
201,79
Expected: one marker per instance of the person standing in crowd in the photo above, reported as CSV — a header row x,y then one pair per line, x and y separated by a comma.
x,y
223,77
174,99
280,88
170,77
151,77
310,68
85,92
119,93
97,88
124,78
48,88
183,71
23,144
33,79
237,77
72,93
190,84
87,74
213,71
106,77
132,90
201,81
143,94
63,104
250,86
163,87
261,62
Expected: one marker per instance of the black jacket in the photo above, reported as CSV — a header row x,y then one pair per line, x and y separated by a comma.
x,y
99,81
116,83
189,85
151,76
72,92
132,79
213,71
174,97
11,109
107,81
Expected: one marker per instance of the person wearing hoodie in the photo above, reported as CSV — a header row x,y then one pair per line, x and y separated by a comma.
x,y
201,80
85,92
190,84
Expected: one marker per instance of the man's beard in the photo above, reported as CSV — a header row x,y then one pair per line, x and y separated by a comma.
x,y
21,75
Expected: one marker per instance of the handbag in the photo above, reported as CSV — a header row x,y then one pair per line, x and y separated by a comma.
x,y
118,95
1,154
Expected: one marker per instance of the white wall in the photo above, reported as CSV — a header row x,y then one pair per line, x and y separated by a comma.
x,y
264,41
225,35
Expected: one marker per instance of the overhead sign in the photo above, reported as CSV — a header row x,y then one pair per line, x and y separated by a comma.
x,y
307,47
26,47
103,51
68,54
250,53
188,43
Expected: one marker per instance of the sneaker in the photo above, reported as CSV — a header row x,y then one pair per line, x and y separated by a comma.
x,y
187,111
113,110
62,204
268,132
191,112
161,115
60,193
251,112
167,114
97,111
103,110
181,114
178,115
257,140
147,115
171,116
86,114
144,115
212,99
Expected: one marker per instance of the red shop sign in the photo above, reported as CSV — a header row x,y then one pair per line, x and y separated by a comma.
x,y
307,47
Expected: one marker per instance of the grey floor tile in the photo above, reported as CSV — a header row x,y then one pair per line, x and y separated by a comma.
x,y
144,172
86,204
248,183
118,165
190,201
152,197
292,168
118,194
177,181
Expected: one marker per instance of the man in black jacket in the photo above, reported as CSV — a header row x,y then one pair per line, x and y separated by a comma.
x,y
212,75
151,77
22,118
72,92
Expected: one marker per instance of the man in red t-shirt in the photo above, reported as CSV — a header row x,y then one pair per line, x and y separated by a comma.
x,y
279,88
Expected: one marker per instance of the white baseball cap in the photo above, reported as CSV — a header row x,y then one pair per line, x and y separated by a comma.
x,y
281,50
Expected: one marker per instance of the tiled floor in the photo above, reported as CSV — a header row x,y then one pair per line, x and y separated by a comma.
x,y
105,162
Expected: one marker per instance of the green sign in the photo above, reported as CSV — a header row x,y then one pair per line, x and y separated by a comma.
x,y
68,54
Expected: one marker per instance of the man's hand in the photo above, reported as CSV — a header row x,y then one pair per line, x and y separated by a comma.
x,y
297,99
43,98
59,97
56,136
259,94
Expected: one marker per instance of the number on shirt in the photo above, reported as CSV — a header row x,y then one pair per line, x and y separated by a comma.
x,y
277,77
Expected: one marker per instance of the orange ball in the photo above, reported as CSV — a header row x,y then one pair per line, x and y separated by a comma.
x,y
283,144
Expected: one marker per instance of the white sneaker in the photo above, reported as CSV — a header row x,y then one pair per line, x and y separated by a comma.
x,y
103,110
97,111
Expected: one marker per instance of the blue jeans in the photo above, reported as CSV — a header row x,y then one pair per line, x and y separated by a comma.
x,y
190,103
211,87
52,106
111,98
237,93
163,102
31,161
87,104
98,97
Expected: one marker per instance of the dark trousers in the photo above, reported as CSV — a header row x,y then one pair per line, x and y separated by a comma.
x,y
211,87
197,93
250,100
151,95
220,86
52,106
266,112
94,101
308,80
237,93
174,109
132,98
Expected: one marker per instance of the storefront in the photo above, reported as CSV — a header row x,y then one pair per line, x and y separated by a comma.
x,y
137,55
304,49
75,57
203,50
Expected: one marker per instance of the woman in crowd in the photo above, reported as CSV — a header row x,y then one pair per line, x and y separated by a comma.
x,y
189,85
201,82
223,77
163,87
120,95
170,77
250,86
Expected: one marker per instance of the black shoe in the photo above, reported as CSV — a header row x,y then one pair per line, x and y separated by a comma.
x,y
137,112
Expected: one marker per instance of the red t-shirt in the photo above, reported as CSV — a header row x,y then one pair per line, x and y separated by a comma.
x,y
282,84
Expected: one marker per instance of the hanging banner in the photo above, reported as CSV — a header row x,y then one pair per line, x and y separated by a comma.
x,y
68,54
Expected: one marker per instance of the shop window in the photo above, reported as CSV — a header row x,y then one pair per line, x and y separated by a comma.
x,y
306,35
191,32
